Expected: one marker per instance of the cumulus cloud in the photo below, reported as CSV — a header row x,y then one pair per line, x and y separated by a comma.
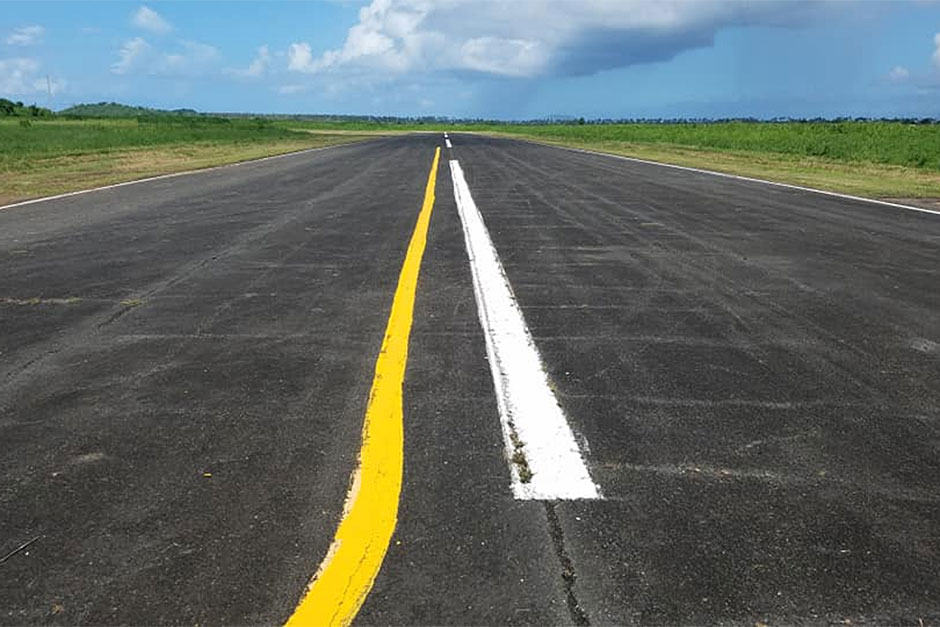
x,y
300,58
192,58
25,35
149,20
929,79
528,38
16,75
899,74
257,67
133,54
22,77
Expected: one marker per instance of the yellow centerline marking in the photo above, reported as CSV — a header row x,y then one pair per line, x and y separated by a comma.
x,y
348,571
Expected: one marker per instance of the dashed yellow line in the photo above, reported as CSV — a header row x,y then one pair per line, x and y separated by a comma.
x,y
346,575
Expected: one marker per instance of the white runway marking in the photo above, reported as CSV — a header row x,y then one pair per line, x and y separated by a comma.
x,y
545,461
449,145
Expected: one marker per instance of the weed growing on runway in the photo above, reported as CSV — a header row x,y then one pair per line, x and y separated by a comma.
x,y
518,457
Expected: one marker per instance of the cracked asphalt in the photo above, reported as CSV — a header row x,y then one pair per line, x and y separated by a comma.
x,y
752,373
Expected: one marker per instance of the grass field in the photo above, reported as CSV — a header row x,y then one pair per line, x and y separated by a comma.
x,y
45,157
890,143
878,159
849,176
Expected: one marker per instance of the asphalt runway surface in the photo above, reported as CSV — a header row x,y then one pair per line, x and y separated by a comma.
x,y
752,375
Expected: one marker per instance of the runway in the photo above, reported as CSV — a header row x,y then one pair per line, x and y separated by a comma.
x,y
745,378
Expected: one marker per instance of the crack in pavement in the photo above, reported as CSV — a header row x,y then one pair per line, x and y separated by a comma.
x,y
568,574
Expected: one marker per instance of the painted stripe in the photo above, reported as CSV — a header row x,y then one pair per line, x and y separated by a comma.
x,y
445,135
167,176
370,513
449,145
823,192
536,433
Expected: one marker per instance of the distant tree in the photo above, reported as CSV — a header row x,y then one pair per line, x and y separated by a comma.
x,y
17,109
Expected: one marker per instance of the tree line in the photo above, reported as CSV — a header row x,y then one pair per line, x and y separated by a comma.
x,y
18,109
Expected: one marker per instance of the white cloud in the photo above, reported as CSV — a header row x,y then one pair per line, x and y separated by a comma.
x,y
193,58
149,20
26,35
22,77
528,38
300,58
506,57
257,67
132,55
936,52
899,74
17,75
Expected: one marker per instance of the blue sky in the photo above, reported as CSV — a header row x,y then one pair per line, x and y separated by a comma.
x,y
481,58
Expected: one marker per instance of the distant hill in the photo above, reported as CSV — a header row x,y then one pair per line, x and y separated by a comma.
x,y
116,110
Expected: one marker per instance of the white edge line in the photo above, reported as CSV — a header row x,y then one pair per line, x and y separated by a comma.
x,y
171,175
527,405
749,179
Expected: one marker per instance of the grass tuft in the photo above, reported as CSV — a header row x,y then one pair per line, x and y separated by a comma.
x,y
518,457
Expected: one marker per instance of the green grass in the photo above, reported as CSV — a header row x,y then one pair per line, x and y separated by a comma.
x,y
51,156
891,143
876,159
872,180
23,145
42,156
